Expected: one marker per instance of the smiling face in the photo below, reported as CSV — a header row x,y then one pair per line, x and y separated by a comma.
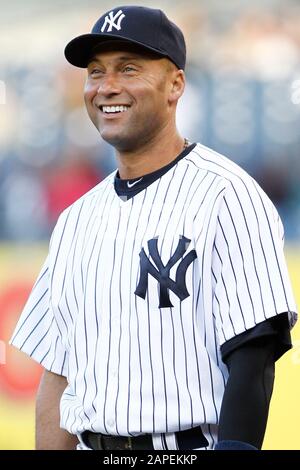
x,y
131,95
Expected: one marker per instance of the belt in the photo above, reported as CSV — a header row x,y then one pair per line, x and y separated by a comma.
x,y
187,440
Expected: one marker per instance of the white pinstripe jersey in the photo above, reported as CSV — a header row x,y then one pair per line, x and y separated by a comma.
x,y
137,296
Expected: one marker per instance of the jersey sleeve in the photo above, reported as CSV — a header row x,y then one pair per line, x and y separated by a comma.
x,y
37,333
249,271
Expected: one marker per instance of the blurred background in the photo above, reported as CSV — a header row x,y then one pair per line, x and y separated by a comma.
x,y
242,99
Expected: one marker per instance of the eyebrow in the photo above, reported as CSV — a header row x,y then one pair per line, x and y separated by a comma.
x,y
122,58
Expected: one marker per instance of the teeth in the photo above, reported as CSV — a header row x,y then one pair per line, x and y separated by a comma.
x,y
114,109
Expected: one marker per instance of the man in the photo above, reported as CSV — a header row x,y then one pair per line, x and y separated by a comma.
x,y
165,299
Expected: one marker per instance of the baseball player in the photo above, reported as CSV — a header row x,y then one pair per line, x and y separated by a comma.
x,y
165,299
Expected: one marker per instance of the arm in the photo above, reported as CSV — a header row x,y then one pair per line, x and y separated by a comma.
x,y
247,396
49,435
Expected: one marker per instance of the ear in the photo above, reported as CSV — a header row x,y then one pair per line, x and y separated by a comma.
x,y
177,86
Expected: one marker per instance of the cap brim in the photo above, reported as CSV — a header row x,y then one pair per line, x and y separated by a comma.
x,y
79,50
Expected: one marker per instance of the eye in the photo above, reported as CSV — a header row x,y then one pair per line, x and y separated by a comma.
x,y
95,72
129,68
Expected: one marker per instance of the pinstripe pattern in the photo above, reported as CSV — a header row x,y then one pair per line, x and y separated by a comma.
x,y
133,367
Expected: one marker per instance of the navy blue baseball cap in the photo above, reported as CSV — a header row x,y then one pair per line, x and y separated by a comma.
x,y
148,28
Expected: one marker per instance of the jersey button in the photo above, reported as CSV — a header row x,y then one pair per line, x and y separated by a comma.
x,y
111,422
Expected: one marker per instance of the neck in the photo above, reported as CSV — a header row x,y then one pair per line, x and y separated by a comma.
x,y
160,151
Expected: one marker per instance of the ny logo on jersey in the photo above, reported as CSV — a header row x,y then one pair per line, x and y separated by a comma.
x,y
110,21
162,273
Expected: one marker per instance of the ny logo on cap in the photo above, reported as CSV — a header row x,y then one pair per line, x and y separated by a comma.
x,y
110,21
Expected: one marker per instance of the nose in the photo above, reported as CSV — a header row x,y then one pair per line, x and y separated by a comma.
x,y
109,85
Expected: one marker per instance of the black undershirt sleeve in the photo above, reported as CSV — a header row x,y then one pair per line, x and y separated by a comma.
x,y
250,358
246,400
277,327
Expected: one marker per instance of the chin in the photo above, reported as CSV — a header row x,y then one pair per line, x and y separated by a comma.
x,y
119,142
